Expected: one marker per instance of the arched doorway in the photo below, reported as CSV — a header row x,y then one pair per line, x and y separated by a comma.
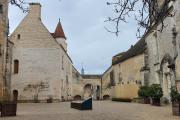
x,y
15,95
98,92
106,97
77,97
167,75
88,90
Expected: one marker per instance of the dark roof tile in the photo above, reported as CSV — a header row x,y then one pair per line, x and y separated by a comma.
x,y
59,32
91,76
137,49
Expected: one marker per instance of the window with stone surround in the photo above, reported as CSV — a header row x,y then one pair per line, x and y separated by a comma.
x,y
18,36
16,66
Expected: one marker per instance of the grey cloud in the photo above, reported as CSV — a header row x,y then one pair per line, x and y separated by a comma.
x,y
83,23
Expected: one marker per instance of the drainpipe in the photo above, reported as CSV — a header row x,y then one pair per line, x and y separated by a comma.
x,y
174,42
101,89
174,33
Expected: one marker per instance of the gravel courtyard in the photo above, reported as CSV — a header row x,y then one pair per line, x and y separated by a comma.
x,y
102,110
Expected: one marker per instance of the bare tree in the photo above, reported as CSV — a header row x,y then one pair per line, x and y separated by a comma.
x,y
22,4
146,12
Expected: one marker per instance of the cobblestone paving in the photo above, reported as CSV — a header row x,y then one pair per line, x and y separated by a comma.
x,y
102,110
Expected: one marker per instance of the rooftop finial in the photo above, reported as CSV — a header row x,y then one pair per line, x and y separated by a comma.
x,y
59,33
82,70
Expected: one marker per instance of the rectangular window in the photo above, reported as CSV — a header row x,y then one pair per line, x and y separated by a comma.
x,y
67,81
62,62
62,84
112,81
18,36
16,66
120,78
1,9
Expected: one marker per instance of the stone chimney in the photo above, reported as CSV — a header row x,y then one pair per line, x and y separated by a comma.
x,y
35,10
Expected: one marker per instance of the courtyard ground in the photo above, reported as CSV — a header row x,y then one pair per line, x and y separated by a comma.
x,y
102,110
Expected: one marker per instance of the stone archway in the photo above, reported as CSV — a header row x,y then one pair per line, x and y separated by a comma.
x,y
88,90
15,95
77,97
106,97
167,74
98,92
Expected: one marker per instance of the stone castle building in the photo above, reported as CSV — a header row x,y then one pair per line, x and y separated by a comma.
x,y
41,67
127,76
163,50
155,58
85,86
92,86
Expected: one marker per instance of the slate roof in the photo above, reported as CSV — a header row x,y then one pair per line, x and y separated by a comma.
x,y
119,54
116,57
135,50
91,76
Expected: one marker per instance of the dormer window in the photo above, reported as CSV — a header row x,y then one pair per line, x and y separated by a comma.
x,y
1,9
18,36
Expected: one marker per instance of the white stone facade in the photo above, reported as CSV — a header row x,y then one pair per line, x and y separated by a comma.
x,y
44,68
164,51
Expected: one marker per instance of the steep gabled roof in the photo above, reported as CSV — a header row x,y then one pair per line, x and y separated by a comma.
x,y
59,32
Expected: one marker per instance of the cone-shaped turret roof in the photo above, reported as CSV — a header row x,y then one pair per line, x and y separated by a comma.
x,y
59,32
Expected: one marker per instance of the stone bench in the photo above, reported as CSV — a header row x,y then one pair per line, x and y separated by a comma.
x,y
82,105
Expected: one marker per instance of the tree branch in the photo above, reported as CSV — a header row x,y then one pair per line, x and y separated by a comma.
x,y
145,12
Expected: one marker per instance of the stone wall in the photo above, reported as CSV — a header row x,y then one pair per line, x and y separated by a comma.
x,y
45,69
106,84
128,77
77,84
86,86
125,91
128,71
163,51
94,83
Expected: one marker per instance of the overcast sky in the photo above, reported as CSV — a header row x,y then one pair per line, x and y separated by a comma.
x,y
83,23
